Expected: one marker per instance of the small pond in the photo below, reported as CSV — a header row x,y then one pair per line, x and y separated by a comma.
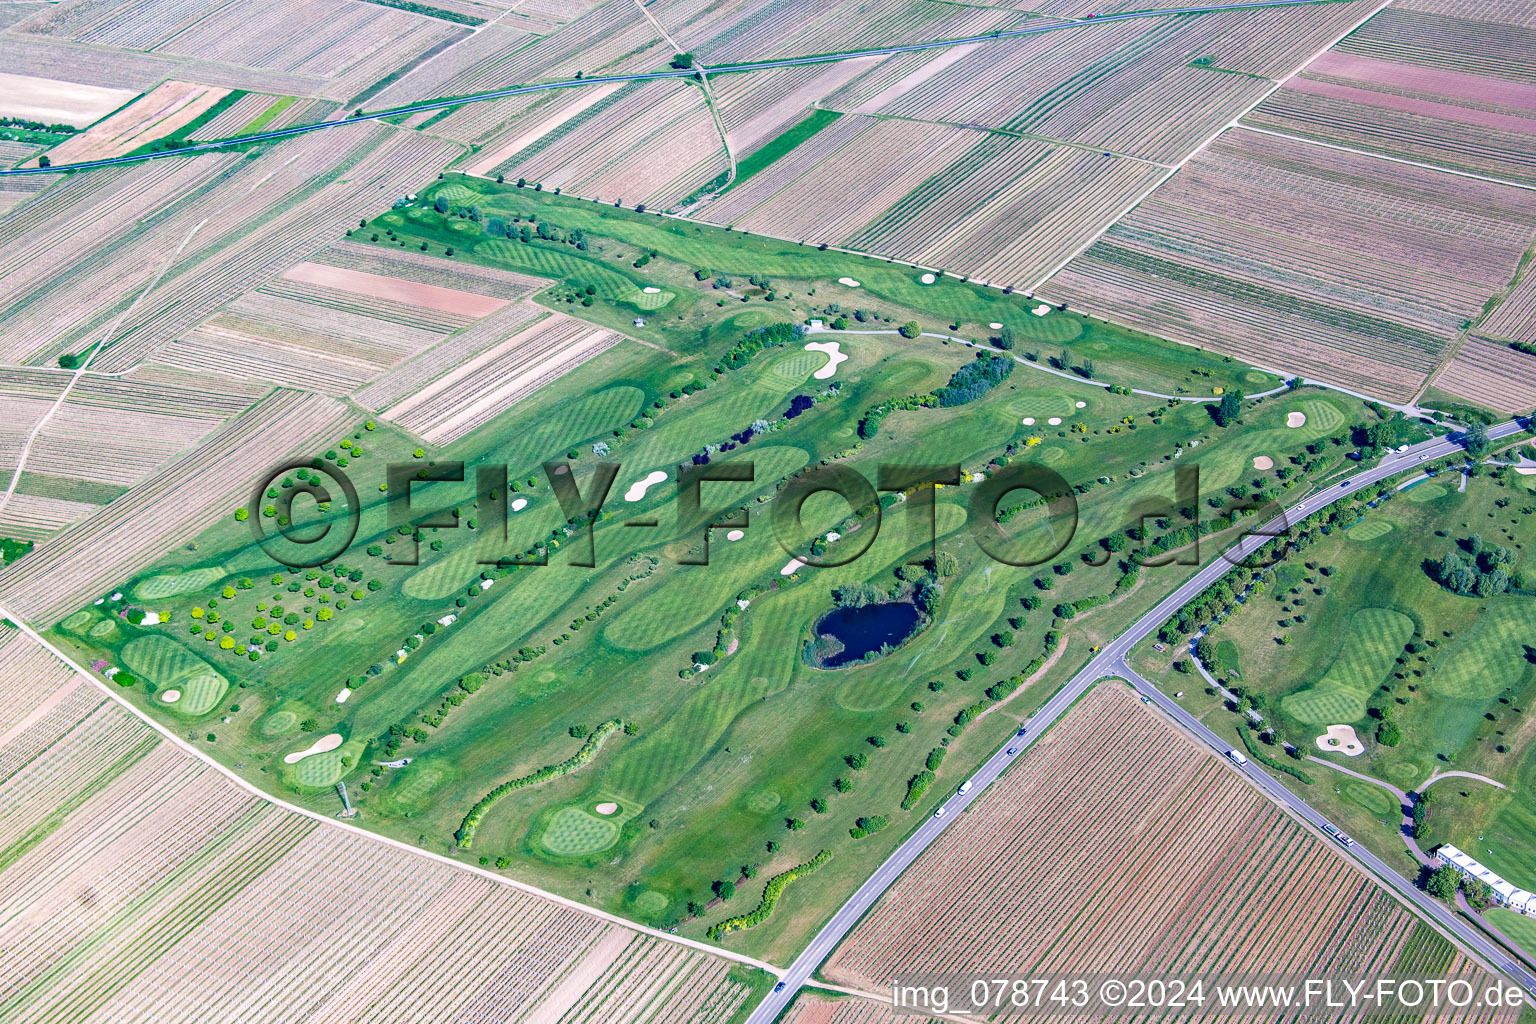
x,y
867,629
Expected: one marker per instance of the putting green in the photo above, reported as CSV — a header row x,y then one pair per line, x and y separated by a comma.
x,y
278,723
647,300
1323,417
573,832
1427,491
76,622
1042,405
651,903
1373,798
408,792
763,801
1371,529
791,370
1372,642
169,665
319,770
1492,655
104,628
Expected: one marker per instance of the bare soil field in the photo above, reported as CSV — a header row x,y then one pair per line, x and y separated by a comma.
x,y
826,1009
1119,845
427,296
52,101
1343,267
143,884
150,117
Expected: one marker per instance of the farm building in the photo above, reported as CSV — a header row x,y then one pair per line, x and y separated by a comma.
x,y
1504,892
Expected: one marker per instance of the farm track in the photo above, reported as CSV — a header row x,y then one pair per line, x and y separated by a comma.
x,y
765,65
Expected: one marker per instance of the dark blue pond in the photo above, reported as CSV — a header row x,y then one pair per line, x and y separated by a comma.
x,y
866,629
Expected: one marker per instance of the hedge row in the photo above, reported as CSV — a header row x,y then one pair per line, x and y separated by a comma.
x,y
771,893
917,787
1264,759
466,833
868,826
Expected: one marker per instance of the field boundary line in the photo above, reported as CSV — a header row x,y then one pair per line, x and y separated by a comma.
x,y
26,449
1275,86
883,1000
324,819
1384,156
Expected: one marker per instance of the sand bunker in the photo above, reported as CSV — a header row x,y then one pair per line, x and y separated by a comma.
x,y
794,566
1082,405
330,741
607,808
1054,421
1263,462
834,352
1029,421
1525,470
735,535
651,291
1041,309
341,698
928,279
850,282
639,487
1296,419
1341,739
171,696
518,504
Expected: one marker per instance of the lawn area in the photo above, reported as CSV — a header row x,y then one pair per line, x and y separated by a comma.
x,y
734,758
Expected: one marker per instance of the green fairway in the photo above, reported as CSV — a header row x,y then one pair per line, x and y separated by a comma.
x,y
1371,529
1375,637
173,584
169,665
1492,656
573,832
1429,490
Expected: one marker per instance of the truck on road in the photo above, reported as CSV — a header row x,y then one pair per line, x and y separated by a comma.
x,y
1236,758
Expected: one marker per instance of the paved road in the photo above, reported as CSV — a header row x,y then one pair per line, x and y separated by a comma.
x,y
1110,661
762,65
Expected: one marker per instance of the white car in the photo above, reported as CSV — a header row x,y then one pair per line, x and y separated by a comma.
x,y
939,813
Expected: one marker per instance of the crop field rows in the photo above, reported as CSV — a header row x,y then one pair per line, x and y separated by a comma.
x,y
1283,281
1491,375
482,388
1514,318
348,45
819,1009
134,529
138,884
1255,893
429,270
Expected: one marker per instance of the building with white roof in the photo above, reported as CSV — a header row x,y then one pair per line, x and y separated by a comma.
x,y
1506,894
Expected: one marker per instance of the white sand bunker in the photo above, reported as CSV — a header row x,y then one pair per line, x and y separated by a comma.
x,y
735,535
1082,405
1525,470
928,279
1054,421
639,487
330,741
1296,419
1263,462
834,353
1029,421
341,698
519,504
651,291
1341,739
794,566
607,808
1041,309
850,282
171,696
995,327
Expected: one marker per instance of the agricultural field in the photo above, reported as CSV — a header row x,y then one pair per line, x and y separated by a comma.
x,y
1363,628
1255,249
170,109
825,1009
469,705
132,866
1491,375
1114,795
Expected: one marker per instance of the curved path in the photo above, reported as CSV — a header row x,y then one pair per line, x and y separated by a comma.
x,y
1405,802
1437,776
762,65
1111,662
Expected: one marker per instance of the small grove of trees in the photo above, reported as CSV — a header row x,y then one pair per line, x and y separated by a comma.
x,y
1444,883
1478,568
1226,411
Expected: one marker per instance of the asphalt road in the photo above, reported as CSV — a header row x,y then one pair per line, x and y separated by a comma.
x,y
764,65
1110,661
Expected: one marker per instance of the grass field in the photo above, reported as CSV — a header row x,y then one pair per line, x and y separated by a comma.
x,y
1373,639
713,765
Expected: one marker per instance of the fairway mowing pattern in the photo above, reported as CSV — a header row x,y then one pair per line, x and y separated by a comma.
x,y
447,575
1049,328
278,723
573,832
574,422
1042,405
1489,657
1373,641
168,664
547,263
201,694
869,691
409,792
791,371
1323,417
1369,530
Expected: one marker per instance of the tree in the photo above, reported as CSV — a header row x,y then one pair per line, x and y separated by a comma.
x,y
946,565
682,61
725,889
1443,883
1475,439
911,329
1226,411
1478,892
1005,339
44,161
